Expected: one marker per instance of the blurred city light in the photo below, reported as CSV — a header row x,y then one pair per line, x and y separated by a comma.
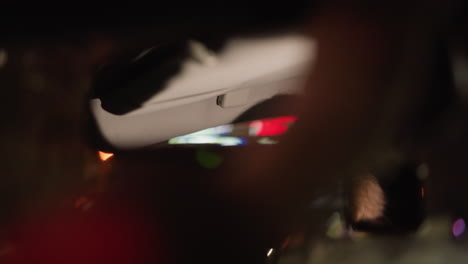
x,y
267,141
105,156
208,139
215,135
369,199
271,126
458,227
227,135
208,159
336,227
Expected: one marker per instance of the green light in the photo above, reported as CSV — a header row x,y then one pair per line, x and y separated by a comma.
x,y
208,159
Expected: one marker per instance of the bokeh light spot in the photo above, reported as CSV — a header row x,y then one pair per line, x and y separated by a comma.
x,y
105,156
458,227
209,160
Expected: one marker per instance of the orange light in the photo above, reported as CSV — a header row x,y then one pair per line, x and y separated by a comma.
x,y
105,156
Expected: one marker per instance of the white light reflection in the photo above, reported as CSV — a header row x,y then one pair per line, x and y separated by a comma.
x,y
270,252
203,139
214,135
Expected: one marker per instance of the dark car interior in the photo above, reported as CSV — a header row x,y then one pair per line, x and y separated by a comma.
x,y
235,132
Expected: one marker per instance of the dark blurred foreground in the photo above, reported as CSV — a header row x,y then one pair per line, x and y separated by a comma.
x,y
389,79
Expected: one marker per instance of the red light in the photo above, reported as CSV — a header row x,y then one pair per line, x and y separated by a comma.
x,y
271,126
